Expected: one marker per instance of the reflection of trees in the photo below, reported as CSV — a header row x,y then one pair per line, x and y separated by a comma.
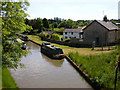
x,y
56,63
31,45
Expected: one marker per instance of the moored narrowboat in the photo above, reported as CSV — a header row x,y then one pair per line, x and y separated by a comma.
x,y
22,43
52,51
23,37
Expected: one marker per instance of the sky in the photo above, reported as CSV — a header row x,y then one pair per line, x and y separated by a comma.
x,y
73,9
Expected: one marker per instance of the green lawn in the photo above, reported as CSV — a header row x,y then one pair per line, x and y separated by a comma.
x,y
7,80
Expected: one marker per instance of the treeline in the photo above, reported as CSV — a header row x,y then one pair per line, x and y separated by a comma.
x,y
56,24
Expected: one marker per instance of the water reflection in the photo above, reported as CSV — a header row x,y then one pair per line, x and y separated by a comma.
x,y
57,63
32,46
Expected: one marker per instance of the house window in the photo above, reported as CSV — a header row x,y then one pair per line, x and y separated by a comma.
x,y
65,32
74,37
72,33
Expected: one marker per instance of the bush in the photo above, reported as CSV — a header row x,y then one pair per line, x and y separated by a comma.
x,y
56,37
45,35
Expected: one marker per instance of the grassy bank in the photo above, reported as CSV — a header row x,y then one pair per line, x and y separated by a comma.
x,y
7,80
67,49
101,68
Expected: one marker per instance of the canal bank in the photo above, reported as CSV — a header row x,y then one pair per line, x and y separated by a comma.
x,y
7,80
83,74
43,72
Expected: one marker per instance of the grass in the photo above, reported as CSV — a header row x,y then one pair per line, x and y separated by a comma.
x,y
7,80
67,49
101,68
0,78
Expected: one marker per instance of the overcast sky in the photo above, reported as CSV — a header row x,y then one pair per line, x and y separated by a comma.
x,y
73,9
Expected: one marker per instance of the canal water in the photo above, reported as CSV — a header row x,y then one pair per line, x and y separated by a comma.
x,y
43,72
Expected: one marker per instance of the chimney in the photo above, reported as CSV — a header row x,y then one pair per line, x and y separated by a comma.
x,y
105,18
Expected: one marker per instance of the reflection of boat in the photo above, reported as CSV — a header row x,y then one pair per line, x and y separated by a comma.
x,y
52,51
56,63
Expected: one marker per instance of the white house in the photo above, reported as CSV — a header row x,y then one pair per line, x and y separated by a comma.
x,y
73,33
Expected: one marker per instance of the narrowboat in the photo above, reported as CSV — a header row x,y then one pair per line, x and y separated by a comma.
x,y
52,51
22,43
22,37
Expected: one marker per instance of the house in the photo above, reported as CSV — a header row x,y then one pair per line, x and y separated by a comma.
x,y
73,33
102,32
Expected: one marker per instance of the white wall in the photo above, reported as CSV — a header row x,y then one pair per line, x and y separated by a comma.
x,y
69,34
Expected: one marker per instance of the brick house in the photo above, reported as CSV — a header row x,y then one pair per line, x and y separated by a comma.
x,y
102,32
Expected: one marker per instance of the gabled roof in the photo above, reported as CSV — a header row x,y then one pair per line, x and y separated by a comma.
x,y
108,25
78,30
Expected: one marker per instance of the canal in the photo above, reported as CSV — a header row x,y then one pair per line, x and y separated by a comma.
x,y
43,72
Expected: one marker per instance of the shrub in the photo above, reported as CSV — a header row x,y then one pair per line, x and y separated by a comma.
x,y
45,35
56,37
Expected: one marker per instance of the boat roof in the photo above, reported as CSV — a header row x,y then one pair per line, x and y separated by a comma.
x,y
20,41
53,47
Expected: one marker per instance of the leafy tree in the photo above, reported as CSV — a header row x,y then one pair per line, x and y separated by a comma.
x,y
58,20
55,24
13,16
62,24
39,25
69,23
45,23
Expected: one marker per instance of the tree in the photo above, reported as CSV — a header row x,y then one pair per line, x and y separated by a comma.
x,y
55,24
45,23
13,16
39,25
69,23
62,24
